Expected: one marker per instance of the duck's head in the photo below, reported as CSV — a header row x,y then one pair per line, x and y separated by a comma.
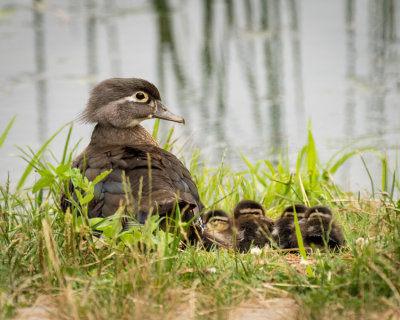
x,y
300,210
248,208
216,220
318,212
124,103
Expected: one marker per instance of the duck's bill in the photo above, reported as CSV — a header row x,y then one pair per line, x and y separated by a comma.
x,y
163,113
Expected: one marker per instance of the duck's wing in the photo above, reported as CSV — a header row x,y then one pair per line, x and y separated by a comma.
x,y
157,180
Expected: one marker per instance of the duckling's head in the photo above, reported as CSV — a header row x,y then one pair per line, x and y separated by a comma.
x,y
318,212
288,213
124,103
216,220
248,208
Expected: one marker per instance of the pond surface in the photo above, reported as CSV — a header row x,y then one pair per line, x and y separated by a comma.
x,y
248,76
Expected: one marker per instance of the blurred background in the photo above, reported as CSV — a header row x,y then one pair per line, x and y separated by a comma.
x,y
247,75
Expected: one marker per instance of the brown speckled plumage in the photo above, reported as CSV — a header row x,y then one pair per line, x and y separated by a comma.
x,y
119,143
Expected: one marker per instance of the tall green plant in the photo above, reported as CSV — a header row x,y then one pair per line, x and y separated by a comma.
x,y
3,136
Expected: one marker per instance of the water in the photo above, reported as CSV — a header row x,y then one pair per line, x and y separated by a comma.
x,y
247,76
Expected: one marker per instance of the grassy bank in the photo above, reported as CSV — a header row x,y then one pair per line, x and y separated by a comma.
x,y
53,256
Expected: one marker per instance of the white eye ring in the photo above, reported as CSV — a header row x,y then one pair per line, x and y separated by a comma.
x,y
139,96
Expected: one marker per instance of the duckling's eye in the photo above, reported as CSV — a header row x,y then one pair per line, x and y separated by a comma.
x,y
215,220
288,215
141,96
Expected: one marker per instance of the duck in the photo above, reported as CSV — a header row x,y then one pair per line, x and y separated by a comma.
x,y
284,233
158,181
320,229
253,227
217,229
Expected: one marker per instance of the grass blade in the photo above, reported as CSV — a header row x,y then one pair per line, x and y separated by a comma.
x,y
155,129
369,175
344,158
67,142
37,155
5,132
300,242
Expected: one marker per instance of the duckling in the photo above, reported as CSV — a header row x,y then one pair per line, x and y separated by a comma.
x,y
158,180
252,226
320,229
217,229
284,233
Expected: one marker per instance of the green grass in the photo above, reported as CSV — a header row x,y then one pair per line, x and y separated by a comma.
x,y
51,255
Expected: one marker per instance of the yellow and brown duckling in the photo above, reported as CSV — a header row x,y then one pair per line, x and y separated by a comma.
x,y
320,230
158,180
252,226
284,233
217,229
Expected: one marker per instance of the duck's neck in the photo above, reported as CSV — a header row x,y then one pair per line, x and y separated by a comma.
x,y
107,135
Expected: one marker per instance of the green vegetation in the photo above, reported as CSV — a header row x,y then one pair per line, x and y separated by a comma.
x,y
54,256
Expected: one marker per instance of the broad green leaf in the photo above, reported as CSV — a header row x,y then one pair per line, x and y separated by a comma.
x,y
43,182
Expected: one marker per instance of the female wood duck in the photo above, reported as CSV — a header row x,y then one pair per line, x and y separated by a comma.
x,y
217,229
320,229
284,233
252,226
158,180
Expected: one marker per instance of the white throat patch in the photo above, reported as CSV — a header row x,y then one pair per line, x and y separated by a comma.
x,y
135,122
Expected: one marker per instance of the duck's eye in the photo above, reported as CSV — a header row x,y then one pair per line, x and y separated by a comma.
x,y
140,96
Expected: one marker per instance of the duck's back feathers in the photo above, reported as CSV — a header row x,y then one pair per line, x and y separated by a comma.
x,y
158,180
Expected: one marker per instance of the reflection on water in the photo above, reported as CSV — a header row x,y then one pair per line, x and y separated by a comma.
x,y
40,63
246,75
91,41
113,45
